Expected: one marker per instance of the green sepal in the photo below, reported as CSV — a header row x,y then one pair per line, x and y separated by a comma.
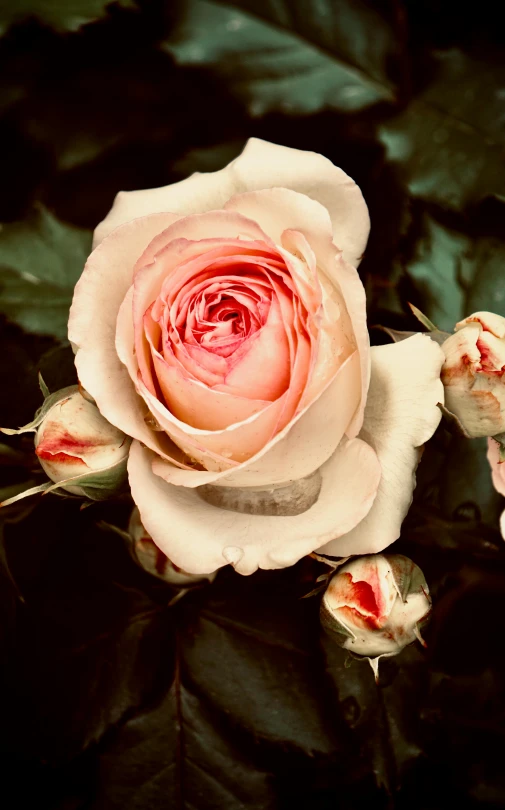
x,y
49,402
430,326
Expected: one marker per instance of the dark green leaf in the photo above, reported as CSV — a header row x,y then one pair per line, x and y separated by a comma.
x,y
448,142
64,15
455,274
383,715
42,259
352,30
90,643
246,722
267,67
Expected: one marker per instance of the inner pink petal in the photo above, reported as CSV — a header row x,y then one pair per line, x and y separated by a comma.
x,y
238,321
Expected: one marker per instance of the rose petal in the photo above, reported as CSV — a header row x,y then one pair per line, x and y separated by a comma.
x,y
489,321
298,450
278,210
261,165
200,537
377,600
98,294
401,415
194,404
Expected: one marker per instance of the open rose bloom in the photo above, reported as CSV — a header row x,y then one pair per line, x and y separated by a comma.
x,y
220,322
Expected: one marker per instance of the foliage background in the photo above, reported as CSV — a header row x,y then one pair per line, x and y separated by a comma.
x,y
233,698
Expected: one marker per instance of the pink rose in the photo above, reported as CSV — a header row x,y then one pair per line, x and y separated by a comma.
x,y
497,473
221,323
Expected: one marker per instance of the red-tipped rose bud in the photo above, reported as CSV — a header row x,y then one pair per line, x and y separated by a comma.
x,y
74,440
152,559
78,449
473,374
375,605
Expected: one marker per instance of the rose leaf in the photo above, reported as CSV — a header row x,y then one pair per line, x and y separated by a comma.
x,y
448,142
268,67
41,259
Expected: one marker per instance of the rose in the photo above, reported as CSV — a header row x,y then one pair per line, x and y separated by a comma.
x,y
376,604
497,464
77,448
473,374
220,322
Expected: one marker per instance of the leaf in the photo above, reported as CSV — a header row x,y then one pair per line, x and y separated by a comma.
x,y
41,260
266,67
353,30
90,643
455,274
57,367
64,15
383,716
245,722
448,142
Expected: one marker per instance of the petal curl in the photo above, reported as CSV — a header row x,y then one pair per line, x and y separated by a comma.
x,y
401,415
200,537
261,165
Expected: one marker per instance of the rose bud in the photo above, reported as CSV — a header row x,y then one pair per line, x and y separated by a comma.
x,y
497,464
77,448
152,559
473,374
374,605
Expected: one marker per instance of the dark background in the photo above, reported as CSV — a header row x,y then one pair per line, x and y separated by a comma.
x,y
233,698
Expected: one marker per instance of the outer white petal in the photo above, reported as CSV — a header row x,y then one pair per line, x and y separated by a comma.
x,y
261,165
200,537
98,294
401,415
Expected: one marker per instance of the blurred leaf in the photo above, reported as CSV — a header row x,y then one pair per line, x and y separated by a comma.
x,y
41,260
90,643
455,274
353,30
57,368
449,141
63,15
266,67
383,716
245,722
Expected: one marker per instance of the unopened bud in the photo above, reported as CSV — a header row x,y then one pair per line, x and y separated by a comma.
x,y
473,374
375,605
77,447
